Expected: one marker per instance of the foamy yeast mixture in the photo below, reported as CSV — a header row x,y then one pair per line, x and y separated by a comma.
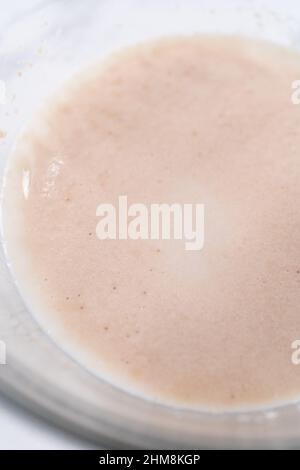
x,y
187,120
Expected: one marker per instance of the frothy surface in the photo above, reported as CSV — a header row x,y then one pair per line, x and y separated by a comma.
x,y
204,120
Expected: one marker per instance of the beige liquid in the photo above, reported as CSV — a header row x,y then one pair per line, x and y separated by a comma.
x,y
202,120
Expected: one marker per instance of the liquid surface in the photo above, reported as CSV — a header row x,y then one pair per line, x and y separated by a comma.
x,y
187,120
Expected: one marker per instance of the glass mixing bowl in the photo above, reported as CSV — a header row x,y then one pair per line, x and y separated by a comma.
x,y
42,43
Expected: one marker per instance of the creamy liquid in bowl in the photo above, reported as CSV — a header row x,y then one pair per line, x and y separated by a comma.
x,y
189,120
